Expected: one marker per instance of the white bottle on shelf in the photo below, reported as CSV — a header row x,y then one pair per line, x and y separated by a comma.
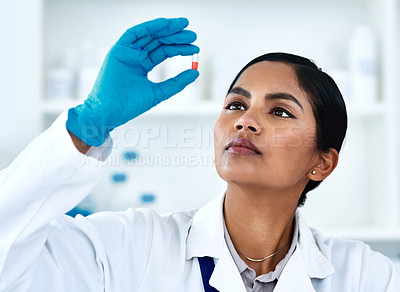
x,y
60,84
363,66
89,66
61,78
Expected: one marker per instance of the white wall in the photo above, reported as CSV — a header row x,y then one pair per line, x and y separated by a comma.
x,y
20,70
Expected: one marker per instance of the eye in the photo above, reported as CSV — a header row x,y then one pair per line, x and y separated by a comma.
x,y
280,112
235,105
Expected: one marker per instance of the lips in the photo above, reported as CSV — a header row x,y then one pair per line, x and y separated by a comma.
x,y
242,146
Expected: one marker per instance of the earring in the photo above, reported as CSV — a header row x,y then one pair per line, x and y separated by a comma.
x,y
313,172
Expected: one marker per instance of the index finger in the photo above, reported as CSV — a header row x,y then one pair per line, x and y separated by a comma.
x,y
154,28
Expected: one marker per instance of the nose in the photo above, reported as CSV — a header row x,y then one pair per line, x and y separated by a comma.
x,y
248,123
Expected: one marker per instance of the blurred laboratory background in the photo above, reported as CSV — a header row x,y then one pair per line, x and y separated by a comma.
x,y
51,52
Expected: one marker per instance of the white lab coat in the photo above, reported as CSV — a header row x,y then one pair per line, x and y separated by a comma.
x,y
138,250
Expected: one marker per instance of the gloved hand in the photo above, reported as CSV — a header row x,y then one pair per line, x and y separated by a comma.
x,y
122,90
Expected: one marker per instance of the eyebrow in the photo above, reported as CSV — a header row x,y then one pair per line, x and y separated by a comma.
x,y
268,96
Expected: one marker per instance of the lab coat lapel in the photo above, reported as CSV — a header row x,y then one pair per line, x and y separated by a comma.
x,y
307,262
294,276
206,233
206,238
226,276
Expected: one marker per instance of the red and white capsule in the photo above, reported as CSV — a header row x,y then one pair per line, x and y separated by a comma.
x,y
195,61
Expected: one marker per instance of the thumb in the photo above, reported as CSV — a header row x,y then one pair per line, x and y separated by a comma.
x,y
172,86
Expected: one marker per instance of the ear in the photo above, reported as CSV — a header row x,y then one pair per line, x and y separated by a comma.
x,y
326,164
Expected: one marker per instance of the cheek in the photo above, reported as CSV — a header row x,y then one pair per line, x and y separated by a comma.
x,y
294,139
221,134
291,153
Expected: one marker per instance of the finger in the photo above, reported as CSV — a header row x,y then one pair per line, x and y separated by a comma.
x,y
141,30
156,27
174,26
144,41
168,51
172,86
180,38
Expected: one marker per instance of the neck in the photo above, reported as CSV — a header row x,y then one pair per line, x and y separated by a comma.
x,y
259,223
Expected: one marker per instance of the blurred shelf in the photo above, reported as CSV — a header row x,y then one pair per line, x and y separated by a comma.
x,y
56,107
366,110
364,233
202,108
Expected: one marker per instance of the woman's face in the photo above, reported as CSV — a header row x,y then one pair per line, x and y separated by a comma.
x,y
265,134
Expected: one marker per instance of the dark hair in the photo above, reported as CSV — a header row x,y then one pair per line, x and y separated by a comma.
x,y
326,101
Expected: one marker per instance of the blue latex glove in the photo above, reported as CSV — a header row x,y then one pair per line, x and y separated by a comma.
x,y
122,90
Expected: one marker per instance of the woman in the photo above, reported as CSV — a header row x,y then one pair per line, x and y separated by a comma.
x,y
278,135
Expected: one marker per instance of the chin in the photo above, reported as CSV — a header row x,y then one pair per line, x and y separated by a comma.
x,y
238,175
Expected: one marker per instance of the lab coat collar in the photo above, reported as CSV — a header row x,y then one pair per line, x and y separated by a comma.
x,y
316,262
206,238
206,234
294,276
307,262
